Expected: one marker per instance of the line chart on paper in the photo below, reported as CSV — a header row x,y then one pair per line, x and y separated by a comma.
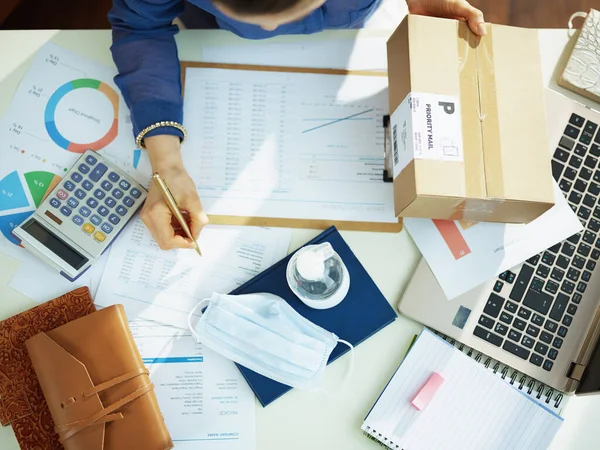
x,y
288,145
330,122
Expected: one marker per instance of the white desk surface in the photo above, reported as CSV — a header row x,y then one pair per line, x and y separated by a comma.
x,y
300,421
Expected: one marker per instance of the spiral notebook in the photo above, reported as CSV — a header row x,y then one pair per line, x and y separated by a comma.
x,y
468,407
550,397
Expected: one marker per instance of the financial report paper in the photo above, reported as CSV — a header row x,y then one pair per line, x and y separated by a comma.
x,y
288,145
165,286
205,401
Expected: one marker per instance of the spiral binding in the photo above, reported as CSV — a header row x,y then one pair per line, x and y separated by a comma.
x,y
535,389
372,434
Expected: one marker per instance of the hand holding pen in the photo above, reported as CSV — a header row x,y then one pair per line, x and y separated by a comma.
x,y
165,157
178,214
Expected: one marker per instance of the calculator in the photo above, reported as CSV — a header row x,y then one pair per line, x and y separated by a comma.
x,y
82,215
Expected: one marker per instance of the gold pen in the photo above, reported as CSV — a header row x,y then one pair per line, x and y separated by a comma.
x,y
174,207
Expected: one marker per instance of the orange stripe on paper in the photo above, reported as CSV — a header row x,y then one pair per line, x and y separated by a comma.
x,y
454,239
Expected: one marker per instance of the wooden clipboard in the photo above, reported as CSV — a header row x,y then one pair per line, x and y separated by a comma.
x,y
318,224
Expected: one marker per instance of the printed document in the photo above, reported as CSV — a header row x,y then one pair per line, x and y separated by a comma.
x,y
463,255
165,286
203,396
288,145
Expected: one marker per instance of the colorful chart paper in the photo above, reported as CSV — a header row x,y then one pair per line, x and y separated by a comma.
x,y
64,105
453,238
40,184
12,195
57,96
15,195
9,222
136,158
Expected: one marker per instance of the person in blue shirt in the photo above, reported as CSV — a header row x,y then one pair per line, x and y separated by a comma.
x,y
145,53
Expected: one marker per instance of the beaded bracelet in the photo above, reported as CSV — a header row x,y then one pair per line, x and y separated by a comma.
x,y
139,140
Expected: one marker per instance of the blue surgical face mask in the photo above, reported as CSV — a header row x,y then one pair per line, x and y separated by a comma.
x,y
265,334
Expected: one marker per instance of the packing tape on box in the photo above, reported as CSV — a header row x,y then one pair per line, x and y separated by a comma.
x,y
483,169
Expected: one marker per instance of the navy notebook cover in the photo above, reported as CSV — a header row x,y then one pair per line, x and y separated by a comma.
x,y
361,314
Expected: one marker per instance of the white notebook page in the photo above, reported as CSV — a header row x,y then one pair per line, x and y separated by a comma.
x,y
472,409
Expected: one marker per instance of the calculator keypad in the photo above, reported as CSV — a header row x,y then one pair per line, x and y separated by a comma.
x,y
98,171
96,220
94,198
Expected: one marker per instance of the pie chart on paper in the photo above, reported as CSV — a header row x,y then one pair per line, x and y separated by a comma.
x,y
20,196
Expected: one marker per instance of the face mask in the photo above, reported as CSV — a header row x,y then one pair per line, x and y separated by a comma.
x,y
265,334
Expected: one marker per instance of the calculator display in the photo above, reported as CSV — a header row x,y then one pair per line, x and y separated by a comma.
x,y
55,244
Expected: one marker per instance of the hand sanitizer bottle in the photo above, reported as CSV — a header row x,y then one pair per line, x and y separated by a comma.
x,y
318,276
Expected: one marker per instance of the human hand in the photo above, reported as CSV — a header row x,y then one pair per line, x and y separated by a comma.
x,y
451,9
165,158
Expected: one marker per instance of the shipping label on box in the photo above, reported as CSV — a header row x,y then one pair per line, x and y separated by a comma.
x,y
426,126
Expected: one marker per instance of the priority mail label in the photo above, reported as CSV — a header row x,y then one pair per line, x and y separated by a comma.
x,y
426,126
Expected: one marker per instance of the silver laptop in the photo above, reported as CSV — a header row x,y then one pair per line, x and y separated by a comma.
x,y
541,317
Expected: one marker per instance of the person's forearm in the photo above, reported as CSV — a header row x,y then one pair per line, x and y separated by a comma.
x,y
164,152
145,53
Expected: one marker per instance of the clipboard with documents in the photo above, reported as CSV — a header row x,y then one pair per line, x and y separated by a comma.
x,y
288,147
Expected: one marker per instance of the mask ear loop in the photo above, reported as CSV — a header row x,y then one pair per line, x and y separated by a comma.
x,y
346,378
350,366
193,313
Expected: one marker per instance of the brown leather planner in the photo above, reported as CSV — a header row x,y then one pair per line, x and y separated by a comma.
x,y
22,403
96,386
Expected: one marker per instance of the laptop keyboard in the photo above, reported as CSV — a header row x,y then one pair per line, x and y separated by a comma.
x,y
543,297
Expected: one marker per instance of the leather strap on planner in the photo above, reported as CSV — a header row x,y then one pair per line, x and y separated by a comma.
x,y
94,380
69,430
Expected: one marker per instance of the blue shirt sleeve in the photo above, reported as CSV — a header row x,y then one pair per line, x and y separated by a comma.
x,y
145,53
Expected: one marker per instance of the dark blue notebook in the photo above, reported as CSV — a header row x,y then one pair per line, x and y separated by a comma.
x,y
361,314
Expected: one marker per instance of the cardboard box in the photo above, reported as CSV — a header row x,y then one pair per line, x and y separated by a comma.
x,y
468,122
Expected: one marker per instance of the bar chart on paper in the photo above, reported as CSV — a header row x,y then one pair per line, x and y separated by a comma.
x,y
465,254
65,105
453,237
288,145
